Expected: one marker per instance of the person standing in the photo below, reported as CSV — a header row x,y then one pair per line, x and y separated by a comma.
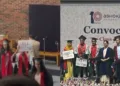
x,y
93,52
34,53
41,74
83,54
106,59
68,64
117,58
6,63
23,64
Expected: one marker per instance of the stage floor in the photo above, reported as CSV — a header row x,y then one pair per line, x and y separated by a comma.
x,y
54,70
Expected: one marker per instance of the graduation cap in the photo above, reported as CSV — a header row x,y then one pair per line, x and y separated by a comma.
x,y
82,37
116,37
93,38
69,41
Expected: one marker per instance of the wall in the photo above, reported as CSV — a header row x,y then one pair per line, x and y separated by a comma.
x,y
14,16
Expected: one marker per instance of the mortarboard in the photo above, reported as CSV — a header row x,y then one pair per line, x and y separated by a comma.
x,y
82,37
69,41
93,38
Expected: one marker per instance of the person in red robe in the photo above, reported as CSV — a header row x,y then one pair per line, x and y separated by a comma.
x,y
83,54
23,64
40,73
6,63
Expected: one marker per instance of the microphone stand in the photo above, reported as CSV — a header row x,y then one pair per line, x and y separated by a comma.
x,y
44,48
57,46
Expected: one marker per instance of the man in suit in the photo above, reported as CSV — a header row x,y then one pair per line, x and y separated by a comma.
x,y
34,53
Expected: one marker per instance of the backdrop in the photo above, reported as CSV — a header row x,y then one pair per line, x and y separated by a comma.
x,y
44,22
91,20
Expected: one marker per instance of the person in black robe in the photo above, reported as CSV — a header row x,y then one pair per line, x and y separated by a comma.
x,y
117,59
105,58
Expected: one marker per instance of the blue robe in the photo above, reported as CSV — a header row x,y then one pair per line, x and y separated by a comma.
x,y
105,67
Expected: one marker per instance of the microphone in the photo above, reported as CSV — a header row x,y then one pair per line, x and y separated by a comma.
x,y
56,42
45,38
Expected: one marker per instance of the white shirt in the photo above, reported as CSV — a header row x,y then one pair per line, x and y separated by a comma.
x,y
104,52
118,51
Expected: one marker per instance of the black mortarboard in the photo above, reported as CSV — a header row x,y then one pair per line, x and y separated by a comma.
x,y
82,37
93,38
116,37
69,41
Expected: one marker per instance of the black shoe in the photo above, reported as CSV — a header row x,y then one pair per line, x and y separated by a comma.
x,y
97,80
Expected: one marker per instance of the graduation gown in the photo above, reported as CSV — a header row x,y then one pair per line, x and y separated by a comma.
x,y
117,63
105,67
23,65
83,51
93,52
45,78
68,66
6,64
42,78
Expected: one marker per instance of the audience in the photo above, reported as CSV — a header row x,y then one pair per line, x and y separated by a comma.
x,y
18,81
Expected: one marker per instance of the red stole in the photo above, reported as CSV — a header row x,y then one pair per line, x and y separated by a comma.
x,y
115,50
81,49
42,82
93,51
20,62
65,61
6,70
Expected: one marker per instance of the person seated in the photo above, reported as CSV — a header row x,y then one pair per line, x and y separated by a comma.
x,y
40,73
18,81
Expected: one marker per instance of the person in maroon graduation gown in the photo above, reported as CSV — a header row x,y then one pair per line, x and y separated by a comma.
x,y
6,63
23,64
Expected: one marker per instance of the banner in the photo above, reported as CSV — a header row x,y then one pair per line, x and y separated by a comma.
x,y
81,62
25,45
91,20
68,54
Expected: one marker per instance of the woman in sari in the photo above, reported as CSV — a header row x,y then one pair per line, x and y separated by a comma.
x,y
6,63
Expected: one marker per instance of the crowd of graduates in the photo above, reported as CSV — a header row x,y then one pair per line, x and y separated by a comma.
x,y
101,61
25,63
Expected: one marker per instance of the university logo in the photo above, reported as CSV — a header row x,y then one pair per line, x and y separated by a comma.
x,y
95,17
